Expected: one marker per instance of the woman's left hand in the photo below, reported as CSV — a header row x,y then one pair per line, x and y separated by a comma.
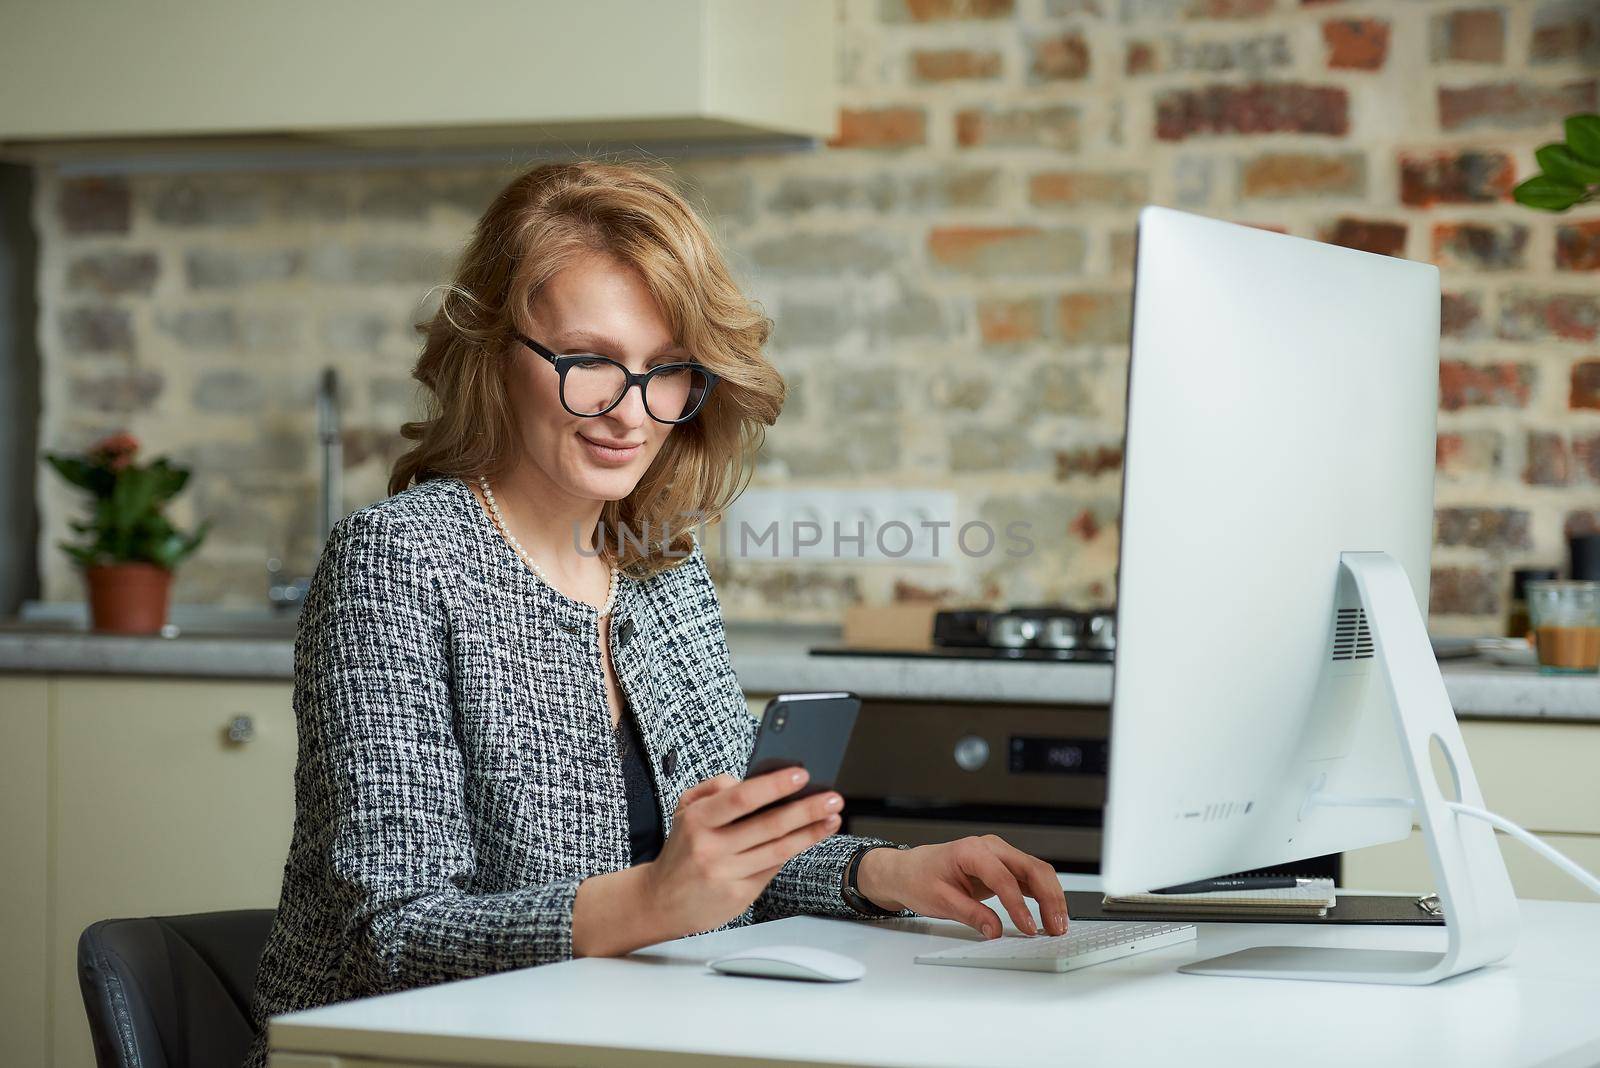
x,y
950,881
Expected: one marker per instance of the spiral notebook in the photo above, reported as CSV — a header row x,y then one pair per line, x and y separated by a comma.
x,y
1311,897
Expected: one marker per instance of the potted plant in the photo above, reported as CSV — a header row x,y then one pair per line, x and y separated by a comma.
x,y
130,548
1569,170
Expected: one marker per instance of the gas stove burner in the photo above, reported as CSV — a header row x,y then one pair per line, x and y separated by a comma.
x,y
1051,633
1041,627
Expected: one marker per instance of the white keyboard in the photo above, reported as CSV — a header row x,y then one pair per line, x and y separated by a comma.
x,y
1086,942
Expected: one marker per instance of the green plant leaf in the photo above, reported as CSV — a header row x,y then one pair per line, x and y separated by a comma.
x,y
1583,137
1559,164
165,553
156,526
95,478
70,468
168,480
84,557
175,546
1547,194
134,496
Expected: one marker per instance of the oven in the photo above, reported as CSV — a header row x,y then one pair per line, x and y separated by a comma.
x,y
922,772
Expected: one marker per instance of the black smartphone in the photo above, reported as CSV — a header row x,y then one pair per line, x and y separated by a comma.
x,y
811,730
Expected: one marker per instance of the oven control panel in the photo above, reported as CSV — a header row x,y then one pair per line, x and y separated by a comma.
x,y
1036,754
972,753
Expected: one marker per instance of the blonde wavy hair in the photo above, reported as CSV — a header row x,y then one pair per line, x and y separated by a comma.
x,y
536,226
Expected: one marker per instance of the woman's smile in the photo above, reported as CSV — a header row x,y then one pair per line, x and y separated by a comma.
x,y
609,451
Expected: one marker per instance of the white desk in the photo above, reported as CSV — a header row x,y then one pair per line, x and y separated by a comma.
x,y
662,1006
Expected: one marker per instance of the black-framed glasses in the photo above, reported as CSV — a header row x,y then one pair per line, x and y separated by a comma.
x,y
593,385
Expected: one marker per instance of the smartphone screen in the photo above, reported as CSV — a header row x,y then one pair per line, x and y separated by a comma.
x,y
810,730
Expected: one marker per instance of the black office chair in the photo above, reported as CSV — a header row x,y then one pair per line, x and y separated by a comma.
x,y
172,991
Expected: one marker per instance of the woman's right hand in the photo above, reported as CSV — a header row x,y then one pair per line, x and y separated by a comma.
x,y
715,863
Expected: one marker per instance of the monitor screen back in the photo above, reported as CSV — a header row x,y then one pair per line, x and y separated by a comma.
x,y
1282,397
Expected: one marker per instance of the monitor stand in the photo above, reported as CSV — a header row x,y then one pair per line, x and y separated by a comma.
x,y
1480,909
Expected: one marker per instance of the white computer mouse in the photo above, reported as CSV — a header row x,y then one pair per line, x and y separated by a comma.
x,y
790,962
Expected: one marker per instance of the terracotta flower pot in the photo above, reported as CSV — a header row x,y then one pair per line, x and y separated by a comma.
x,y
128,598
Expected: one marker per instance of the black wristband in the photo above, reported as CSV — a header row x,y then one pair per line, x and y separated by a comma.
x,y
852,893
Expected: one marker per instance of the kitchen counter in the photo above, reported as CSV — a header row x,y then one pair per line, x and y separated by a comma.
x,y
769,658
770,661
46,648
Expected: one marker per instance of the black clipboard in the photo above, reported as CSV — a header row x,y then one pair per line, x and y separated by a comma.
x,y
1350,908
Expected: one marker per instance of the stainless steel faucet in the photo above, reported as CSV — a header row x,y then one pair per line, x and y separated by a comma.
x,y
332,455
285,593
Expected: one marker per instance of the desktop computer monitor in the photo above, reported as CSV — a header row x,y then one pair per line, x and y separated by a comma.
x,y
1272,586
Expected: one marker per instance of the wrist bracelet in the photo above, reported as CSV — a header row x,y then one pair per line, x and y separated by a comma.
x,y
852,893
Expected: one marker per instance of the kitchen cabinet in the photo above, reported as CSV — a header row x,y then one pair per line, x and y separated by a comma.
x,y
370,73
24,860
1542,775
129,797
1404,866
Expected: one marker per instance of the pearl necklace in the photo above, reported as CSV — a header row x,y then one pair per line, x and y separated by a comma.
x,y
500,522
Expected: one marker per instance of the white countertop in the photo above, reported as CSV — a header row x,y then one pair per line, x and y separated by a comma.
x,y
769,658
661,1005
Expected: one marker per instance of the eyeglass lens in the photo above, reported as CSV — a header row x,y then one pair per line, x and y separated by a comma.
x,y
592,386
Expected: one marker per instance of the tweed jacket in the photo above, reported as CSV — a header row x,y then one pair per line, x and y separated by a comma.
x,y
457,773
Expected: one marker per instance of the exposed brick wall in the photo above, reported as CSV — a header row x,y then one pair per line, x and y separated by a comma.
x,y
949,276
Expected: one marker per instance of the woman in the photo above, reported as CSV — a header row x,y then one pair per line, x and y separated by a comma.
x,y
520,736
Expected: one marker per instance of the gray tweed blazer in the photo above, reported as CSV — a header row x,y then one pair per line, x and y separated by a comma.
x,y
457,772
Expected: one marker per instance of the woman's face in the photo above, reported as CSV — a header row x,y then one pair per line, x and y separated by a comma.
x,y
600,305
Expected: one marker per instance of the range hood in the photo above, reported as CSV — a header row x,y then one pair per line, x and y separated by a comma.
x,y
83,77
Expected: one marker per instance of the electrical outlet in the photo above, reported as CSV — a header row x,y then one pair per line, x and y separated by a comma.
x,y
862,525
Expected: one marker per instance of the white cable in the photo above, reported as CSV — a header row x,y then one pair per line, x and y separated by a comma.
x,y
1527,838
1532,841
